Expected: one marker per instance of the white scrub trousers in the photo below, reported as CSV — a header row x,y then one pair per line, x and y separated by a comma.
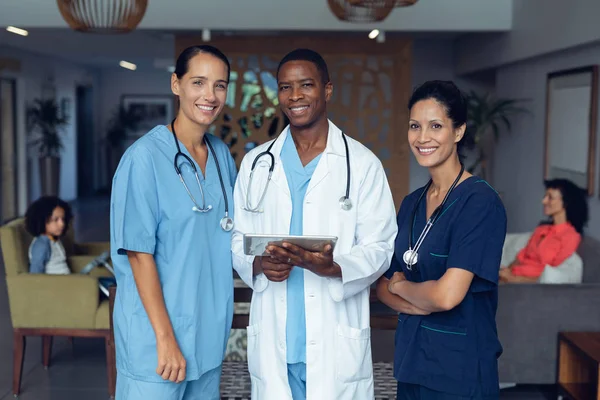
x,y
205,388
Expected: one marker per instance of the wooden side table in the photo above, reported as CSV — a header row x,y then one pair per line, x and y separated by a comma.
x,y
578,362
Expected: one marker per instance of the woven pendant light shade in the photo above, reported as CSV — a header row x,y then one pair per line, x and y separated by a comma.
x,y
405,3
361,10
103,16
365,10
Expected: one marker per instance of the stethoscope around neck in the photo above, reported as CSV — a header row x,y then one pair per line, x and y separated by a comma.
x,y
411,256
226,222
345,202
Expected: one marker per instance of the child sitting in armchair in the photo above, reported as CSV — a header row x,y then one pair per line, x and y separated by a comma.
x,y
47,220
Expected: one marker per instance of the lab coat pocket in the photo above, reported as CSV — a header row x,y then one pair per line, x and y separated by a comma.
x,y
353,354
443,349
253,350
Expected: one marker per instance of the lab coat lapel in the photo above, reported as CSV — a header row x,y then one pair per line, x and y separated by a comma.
x,y
332,150
320,173
279,179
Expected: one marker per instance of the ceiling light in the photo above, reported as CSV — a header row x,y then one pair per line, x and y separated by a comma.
x,y
17,31
374,33
171,69
128,65
206,35
102,16
381,37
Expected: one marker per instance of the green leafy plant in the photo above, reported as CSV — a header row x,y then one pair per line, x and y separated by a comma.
x,y
44,116
487,115
122,122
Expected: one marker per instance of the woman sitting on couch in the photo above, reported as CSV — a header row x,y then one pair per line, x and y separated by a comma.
x,y
554,240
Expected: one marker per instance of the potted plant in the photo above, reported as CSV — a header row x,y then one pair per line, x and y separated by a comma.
x,y
122,122
45,117
487,115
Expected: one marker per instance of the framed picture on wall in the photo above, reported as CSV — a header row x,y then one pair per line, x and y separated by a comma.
x,y
571,120
152,109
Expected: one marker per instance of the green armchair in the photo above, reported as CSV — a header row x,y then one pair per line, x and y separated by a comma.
x,y
54,305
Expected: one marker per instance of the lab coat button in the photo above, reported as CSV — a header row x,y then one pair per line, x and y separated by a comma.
x,y
312,342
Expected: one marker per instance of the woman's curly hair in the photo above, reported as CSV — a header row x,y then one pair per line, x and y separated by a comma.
x,y
574,201
39,212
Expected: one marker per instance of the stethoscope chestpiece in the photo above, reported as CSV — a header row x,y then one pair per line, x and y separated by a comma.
x,y
410,258
226,224
345,203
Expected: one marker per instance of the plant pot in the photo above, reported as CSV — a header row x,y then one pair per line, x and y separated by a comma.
x,y
49,175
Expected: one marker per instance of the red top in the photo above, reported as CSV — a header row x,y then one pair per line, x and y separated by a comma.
x,y
548,245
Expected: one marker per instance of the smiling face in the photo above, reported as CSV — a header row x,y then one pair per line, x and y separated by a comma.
x,y
302,94
202,90
431,134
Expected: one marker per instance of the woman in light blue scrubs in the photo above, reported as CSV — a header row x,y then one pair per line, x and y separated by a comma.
x,y
443,279
171,244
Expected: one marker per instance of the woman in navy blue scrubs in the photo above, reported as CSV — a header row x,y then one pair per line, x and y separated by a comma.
x,y
443,278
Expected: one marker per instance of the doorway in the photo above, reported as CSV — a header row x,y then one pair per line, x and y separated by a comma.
x,y
9,189
85,140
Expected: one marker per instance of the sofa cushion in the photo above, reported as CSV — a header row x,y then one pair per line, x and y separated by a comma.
x,y
572,270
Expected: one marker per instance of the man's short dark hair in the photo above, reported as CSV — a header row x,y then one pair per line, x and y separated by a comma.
x,y
307,55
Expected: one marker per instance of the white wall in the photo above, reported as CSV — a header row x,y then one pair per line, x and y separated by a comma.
x,y
539,27
519,175
29,86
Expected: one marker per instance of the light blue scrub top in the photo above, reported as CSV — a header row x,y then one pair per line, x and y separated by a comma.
x,y
298,177
152,213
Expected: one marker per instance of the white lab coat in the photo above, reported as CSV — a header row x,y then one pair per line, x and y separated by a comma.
x,y
338,335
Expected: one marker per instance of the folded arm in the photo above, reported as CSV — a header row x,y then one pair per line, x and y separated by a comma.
x,y
436,295
394,301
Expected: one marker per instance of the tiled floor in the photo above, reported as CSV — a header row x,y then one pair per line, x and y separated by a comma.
x,y
79,371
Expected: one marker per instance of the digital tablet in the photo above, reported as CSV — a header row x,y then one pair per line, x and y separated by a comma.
x,y
255,244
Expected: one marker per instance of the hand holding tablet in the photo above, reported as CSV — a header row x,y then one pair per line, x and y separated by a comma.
x,y
255,244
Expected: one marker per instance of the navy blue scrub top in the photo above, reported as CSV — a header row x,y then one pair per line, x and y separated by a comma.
x,y
455,351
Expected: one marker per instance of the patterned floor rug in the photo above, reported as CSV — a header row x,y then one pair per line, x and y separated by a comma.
x,y
235,382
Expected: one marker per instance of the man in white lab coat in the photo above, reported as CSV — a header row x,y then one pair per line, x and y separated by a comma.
x,y
309,335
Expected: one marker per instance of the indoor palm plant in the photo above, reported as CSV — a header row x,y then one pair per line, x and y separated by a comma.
x,y
45,118
120,126
487,115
